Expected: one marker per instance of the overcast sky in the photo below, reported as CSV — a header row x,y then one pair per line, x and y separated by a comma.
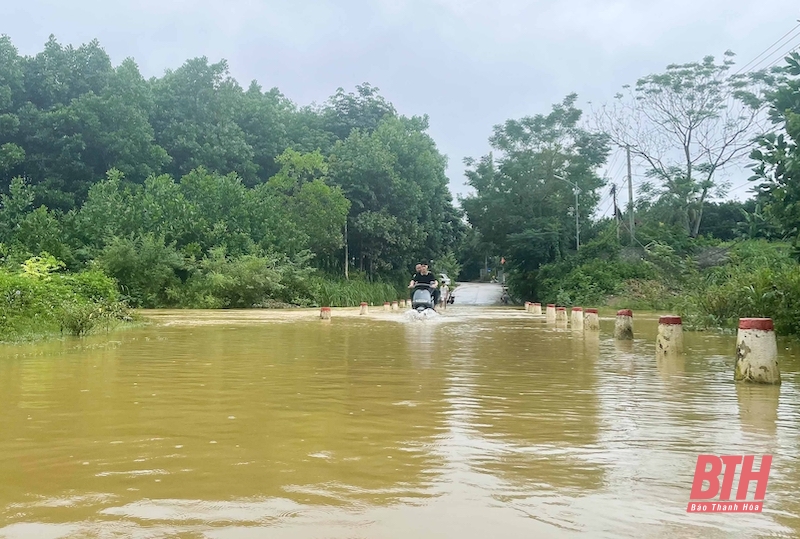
x,y
468,64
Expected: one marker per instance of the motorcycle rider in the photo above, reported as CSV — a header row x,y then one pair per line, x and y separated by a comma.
x,y
423,276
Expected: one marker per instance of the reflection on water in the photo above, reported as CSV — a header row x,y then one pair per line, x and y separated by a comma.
x,y
477,423
758,407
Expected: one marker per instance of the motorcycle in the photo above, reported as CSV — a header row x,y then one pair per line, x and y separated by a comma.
x,y
422,297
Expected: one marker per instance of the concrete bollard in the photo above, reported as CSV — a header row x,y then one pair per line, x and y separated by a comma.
x,y
536,309
591,320
364,308
404,303
561,314
387,306
756,352
623,328
669,340
551,312
325,313
527,306
577,318
395,306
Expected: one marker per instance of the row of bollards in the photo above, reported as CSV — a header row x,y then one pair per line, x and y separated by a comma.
x,y
756,344
325,312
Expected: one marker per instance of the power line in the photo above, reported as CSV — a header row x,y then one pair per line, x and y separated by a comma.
x,y
768,48
783,55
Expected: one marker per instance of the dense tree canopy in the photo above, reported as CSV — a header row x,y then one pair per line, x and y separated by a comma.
x,y
191,165
524,203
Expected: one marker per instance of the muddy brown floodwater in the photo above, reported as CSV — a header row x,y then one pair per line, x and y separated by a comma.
x,y
483,422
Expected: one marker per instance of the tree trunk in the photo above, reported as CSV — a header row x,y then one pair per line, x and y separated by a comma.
x,y
699,215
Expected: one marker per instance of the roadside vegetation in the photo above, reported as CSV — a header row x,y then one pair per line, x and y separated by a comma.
x,y
679,248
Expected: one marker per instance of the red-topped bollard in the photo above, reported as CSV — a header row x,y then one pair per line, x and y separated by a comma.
x,y
527,306
591,320
325,313
623,328
395,306
551,312
387,306
756,352
561,314
669,340
577,318
364,308
536,309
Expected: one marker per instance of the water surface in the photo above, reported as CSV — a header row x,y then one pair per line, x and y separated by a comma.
x,y
481,423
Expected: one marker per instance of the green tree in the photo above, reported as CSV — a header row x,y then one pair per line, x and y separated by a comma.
x,y
521,207
194,120
777,167
401,208
687,125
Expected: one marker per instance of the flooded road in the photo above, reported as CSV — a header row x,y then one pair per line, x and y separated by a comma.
x,y
483,422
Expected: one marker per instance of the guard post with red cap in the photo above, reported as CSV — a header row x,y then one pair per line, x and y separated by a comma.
x,y
756,352
577,318
591,320
669,340
623,328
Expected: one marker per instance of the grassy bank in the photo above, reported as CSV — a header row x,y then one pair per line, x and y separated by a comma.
x,y
711,287
38,299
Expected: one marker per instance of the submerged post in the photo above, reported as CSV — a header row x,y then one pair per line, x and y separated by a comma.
x,y
364,308
670,336
756,352
551,312
325,313
527,306
395,306
591,320
561,314
623,328
387,306
577,318
537,309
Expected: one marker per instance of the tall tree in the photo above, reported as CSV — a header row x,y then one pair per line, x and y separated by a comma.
x,y
401,208
194,120
525,201
687,125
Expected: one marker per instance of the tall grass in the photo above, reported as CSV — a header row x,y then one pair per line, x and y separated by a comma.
x,y
760,280
352,293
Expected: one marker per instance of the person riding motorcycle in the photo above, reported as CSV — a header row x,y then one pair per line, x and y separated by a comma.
x,y
423,276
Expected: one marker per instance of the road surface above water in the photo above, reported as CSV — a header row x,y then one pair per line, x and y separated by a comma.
x,y
477,294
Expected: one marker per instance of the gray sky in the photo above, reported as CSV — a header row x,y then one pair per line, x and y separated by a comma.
x,y
467,64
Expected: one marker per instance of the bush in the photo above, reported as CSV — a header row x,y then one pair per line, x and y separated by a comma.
x,y
145,267
223,282
760,280
37,300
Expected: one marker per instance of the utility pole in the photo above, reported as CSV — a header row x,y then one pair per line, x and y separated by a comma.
x,y
630,192
577,222
616,211
577,216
